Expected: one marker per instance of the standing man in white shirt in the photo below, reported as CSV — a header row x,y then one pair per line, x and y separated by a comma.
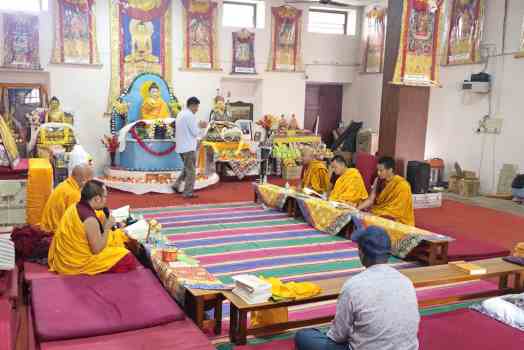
x,y
188,129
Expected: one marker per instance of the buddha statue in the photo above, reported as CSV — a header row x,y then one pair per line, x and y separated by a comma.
x,y
154,107
54,114
219,111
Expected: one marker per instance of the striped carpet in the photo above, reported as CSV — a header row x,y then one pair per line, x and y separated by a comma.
x,y
234,238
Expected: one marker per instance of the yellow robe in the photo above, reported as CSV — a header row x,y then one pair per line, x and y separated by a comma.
x,y
316,177
395,201
70,253
349,188
154,108
64,195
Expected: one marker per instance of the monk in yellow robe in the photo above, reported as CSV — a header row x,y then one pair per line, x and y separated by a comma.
x,y
154,106
83,244
315,175
63,196
349,187
391,196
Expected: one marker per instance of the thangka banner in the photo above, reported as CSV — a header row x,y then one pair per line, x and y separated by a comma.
x,y
200,34
140,41
520,54
21,41
243,52
465,32
375,30
419,44
286,37
75,32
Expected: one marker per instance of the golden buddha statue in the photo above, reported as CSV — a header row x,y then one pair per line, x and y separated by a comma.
x,y
154,107
55,114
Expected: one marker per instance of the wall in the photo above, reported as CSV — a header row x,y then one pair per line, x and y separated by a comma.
x,y
454,114
85,90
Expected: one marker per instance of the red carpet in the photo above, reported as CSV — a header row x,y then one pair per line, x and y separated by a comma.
x,y
223,192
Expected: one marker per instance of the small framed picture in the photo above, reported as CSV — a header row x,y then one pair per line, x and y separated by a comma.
x,y
258,136
246,127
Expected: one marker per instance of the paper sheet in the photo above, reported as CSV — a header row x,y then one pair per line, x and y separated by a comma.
x,y
138,230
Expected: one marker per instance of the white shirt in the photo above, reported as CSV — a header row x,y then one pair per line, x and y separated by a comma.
x,y
187,131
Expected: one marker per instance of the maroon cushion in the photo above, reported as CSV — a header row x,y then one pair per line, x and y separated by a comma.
x,y
69,307
467,329
179,335
367,165
34,271
20,171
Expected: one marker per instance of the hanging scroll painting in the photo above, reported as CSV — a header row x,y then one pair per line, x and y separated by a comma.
x,y
140,41
286,36
200,35
374,42
465,32
75,32
21,41
243,52
419,44
520,54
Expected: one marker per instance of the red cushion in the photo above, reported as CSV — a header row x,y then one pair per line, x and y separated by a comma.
x,y
34,271
367,165
70,307
467,329
179,335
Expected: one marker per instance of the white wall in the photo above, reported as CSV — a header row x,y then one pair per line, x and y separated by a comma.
x,y
85,90
454,114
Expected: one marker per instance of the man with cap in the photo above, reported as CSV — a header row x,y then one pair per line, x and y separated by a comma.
x,y
376,310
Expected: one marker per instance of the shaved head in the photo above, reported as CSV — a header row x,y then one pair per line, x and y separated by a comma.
x,y
82,173
308,154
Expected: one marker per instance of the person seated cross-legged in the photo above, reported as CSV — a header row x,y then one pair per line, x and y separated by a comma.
x,y
376,310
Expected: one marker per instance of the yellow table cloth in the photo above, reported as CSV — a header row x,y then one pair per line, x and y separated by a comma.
x,y
39,187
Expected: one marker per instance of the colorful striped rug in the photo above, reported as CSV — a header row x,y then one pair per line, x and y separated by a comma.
x,y
235,238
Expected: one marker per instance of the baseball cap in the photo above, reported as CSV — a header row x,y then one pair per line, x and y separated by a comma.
x,y
373,241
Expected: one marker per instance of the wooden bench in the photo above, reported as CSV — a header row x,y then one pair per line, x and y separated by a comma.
x,y
421,277
197,301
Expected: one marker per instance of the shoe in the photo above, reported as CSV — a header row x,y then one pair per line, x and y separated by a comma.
x,y
175,188
191,195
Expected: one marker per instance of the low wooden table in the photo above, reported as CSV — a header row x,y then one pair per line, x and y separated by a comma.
x,y
421,277
200,300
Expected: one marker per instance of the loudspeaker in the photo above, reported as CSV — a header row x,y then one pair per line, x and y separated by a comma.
x,y
418,176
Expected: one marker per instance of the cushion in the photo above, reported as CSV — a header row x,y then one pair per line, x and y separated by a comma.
x,y
69,307
179,335
34,271
508,309
466,329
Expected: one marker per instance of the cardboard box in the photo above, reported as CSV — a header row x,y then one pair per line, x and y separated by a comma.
x,y
291,172
469,187
453,183
427,200
469,174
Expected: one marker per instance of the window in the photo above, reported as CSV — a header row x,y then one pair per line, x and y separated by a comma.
x,y
328,21
243,14
32,97
24,5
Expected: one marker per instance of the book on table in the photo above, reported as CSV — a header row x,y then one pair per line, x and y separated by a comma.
x,y
252,289
469,268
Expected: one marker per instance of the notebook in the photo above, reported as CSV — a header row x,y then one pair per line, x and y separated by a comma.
x,y
469,268
121,214
138,230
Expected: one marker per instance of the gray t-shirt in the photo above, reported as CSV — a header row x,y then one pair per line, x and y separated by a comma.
x,y
377,310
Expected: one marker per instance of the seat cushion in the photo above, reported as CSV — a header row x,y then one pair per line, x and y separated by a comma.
x,y
69,307
179,335
34,271
467,329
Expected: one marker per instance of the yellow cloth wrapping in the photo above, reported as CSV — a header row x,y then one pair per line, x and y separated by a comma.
x,y
7,139
316,177
217,148
396,202
39,187
70,253
519,250
154,108
349,188
280,290
63,196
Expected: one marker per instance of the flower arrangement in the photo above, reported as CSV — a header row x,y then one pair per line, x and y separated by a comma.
x,y
160,130
142,129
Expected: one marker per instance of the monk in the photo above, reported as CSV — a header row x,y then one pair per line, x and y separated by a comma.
x,y
315,174
83,244
391,196
63,196
349,187
154,106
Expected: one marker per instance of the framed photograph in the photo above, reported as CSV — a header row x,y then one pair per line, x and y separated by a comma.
x,y
241,110
258,136
246,127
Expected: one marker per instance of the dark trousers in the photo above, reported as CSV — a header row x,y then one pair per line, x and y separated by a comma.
x,y
188,174
313,339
